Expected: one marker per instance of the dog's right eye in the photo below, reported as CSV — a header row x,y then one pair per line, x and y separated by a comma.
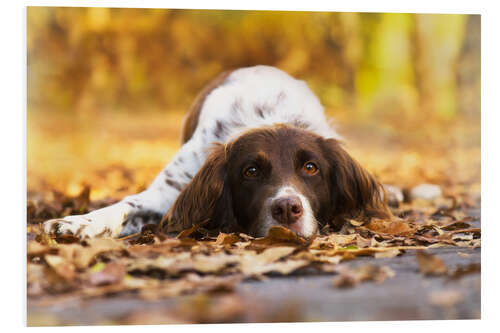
x,y
251,172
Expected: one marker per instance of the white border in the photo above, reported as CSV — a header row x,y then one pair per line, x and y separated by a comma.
x,y
423,6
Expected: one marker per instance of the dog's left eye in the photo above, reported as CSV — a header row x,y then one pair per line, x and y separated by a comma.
x,y
251,172
310,168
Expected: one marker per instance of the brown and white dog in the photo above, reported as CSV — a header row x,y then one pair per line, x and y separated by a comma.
x,y
257,152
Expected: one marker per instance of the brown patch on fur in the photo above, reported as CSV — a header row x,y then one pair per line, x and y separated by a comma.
x,y
259,111
198,201
191,119
359,194
220,129
174,184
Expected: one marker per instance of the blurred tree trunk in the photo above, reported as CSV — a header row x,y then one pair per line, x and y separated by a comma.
x,y
437,40
469,68
350,52
421,71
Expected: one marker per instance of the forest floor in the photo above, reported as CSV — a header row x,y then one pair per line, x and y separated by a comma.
x,y
425,264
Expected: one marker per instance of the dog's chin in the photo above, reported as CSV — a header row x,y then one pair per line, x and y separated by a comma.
x,y
302,228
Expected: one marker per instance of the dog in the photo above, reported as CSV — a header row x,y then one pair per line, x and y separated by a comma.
x,y
257,152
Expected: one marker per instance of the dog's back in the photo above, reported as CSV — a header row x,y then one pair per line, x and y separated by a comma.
x,y
249,98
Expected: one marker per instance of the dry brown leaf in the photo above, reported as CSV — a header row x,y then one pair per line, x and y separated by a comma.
x,y
265,262
341,240
34,248
355,223
192,283
226,239
35,279
282,267
446,298
461,271
274,253
82,256
348,277
203,308
463,254
280,235
170,265
190,231
456,226
392,227
113,273
318,256
430,264
153,317
62,267
363,242
214,262
387,254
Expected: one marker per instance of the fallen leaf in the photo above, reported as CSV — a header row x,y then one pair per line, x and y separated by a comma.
x,y
355,223
341,240
226,239
34,248
153,317
274,253
349,278
463,254
190,231
462,270
62,267
191,284
213,263
83,256
279,235
112,273
387,254
392,227
446,298
211,309
456,226
430,264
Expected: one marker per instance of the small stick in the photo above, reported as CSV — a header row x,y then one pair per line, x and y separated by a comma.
x,y
129,236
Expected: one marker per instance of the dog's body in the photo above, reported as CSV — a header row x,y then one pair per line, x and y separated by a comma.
x,y
256,112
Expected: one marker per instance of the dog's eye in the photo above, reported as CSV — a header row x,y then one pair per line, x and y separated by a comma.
x,y
251,172
310,168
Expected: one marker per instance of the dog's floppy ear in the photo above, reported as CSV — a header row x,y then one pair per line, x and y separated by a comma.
x,y
355,192
205,200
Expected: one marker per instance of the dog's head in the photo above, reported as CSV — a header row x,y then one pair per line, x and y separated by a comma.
x,y
280,175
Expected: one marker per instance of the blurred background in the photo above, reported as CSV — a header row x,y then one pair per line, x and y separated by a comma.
x,y
107,88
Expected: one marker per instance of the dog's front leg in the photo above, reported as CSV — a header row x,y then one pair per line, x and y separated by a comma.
x,y
122,218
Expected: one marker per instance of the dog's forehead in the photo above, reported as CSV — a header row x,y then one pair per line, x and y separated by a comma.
x,y
274,140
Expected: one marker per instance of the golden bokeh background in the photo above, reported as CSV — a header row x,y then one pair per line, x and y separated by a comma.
x,y
107,87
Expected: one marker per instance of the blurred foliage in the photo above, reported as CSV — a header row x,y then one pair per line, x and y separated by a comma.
x,y
140,69
406,67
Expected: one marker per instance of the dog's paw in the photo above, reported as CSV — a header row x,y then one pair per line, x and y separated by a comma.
x,y
80,226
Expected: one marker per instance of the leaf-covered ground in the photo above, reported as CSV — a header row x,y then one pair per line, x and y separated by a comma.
x,y
74,168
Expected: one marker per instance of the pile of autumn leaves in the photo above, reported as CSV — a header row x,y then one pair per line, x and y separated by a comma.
x,y
156,266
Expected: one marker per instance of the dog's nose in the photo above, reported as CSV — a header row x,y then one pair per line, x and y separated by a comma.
x,y
287,210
